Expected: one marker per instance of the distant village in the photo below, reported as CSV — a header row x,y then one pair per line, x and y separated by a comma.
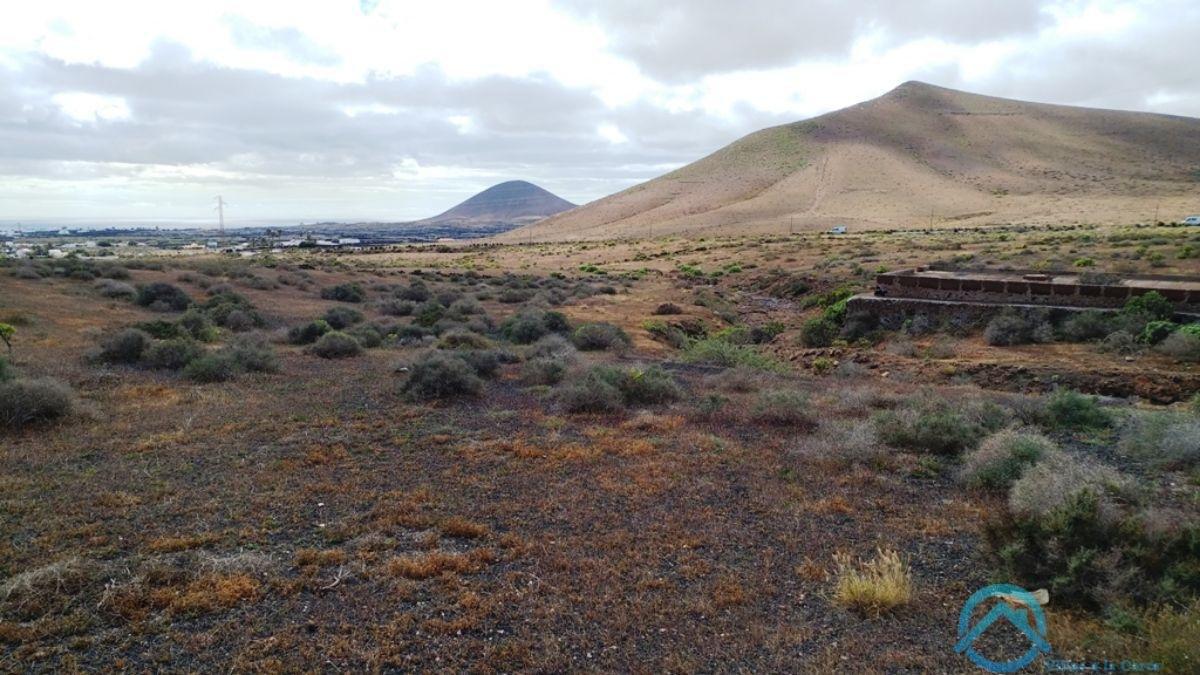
x,y
65,242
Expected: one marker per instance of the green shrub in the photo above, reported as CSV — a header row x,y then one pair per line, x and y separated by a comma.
x,y
1071,410
818,333
161,330
171,354
1071,528
463,339
1002,457
336,345
428,313
349,292
25,402
783,407
198,325
600,336
529,326
938,426
341,318
551,346
438,375
1151,305
125,346
367,335
233,311
485,362
162,297
715,352
308,333
209,368
642,386
1157,331
7,372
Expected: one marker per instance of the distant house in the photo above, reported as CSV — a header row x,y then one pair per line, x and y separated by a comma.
x,y
838,229
1192,220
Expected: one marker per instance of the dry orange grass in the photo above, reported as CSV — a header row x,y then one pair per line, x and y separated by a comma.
x,y
431,564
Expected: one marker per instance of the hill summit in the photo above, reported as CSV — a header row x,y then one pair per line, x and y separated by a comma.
x,y
917,156
511,202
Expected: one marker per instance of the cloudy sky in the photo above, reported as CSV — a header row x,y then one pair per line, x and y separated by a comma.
x,y
397,109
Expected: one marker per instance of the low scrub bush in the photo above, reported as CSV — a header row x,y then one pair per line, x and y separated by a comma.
x,y
1072,528
463,339
368,336
551,346
717,352
1157,331
591,394
1003,457
395,307
211,368
600,336
171,354
667,308
162,297
7,372
1181,346
308,333
530,326
544,370
336,345
1066,409
438,375
252,353
198,325
111,288
1017,328
125,346
1161,439
428,313
26,402
1086,326
341,318
350,292
939,426
818,332
783,407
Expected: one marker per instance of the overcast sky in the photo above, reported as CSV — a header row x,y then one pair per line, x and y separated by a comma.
x,y
397,109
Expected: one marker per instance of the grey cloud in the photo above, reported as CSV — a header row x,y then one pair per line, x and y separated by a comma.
x,y
678,40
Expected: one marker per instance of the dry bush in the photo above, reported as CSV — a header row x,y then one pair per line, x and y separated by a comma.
x,y
783,407
1002,457
25,402
431,564
457,526
873,586
437,375
312,557
848,443
1181,346
739,379
1051,485
1162,439
336,345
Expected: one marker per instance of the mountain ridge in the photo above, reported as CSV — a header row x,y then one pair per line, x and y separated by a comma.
x,y
918,155
513,201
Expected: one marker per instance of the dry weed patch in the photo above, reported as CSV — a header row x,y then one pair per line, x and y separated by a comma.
x,y
873,586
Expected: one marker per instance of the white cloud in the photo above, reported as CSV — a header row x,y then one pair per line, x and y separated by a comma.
x,y
85,107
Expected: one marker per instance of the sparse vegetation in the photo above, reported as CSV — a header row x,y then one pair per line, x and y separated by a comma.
x,y
873,586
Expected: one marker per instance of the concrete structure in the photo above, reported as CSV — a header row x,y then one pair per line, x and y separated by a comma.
x,y
1032,287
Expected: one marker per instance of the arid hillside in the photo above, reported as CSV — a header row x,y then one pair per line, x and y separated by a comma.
x,y
919,155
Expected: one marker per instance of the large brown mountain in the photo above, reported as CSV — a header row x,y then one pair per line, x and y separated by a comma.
x,y
512,202
917,155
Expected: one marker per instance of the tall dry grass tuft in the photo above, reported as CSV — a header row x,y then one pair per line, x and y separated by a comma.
x,y
873,586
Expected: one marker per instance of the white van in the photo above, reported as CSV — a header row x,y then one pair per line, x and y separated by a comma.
x,y
1192,220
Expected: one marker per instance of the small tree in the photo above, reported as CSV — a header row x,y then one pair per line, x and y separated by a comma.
x,y
6,334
